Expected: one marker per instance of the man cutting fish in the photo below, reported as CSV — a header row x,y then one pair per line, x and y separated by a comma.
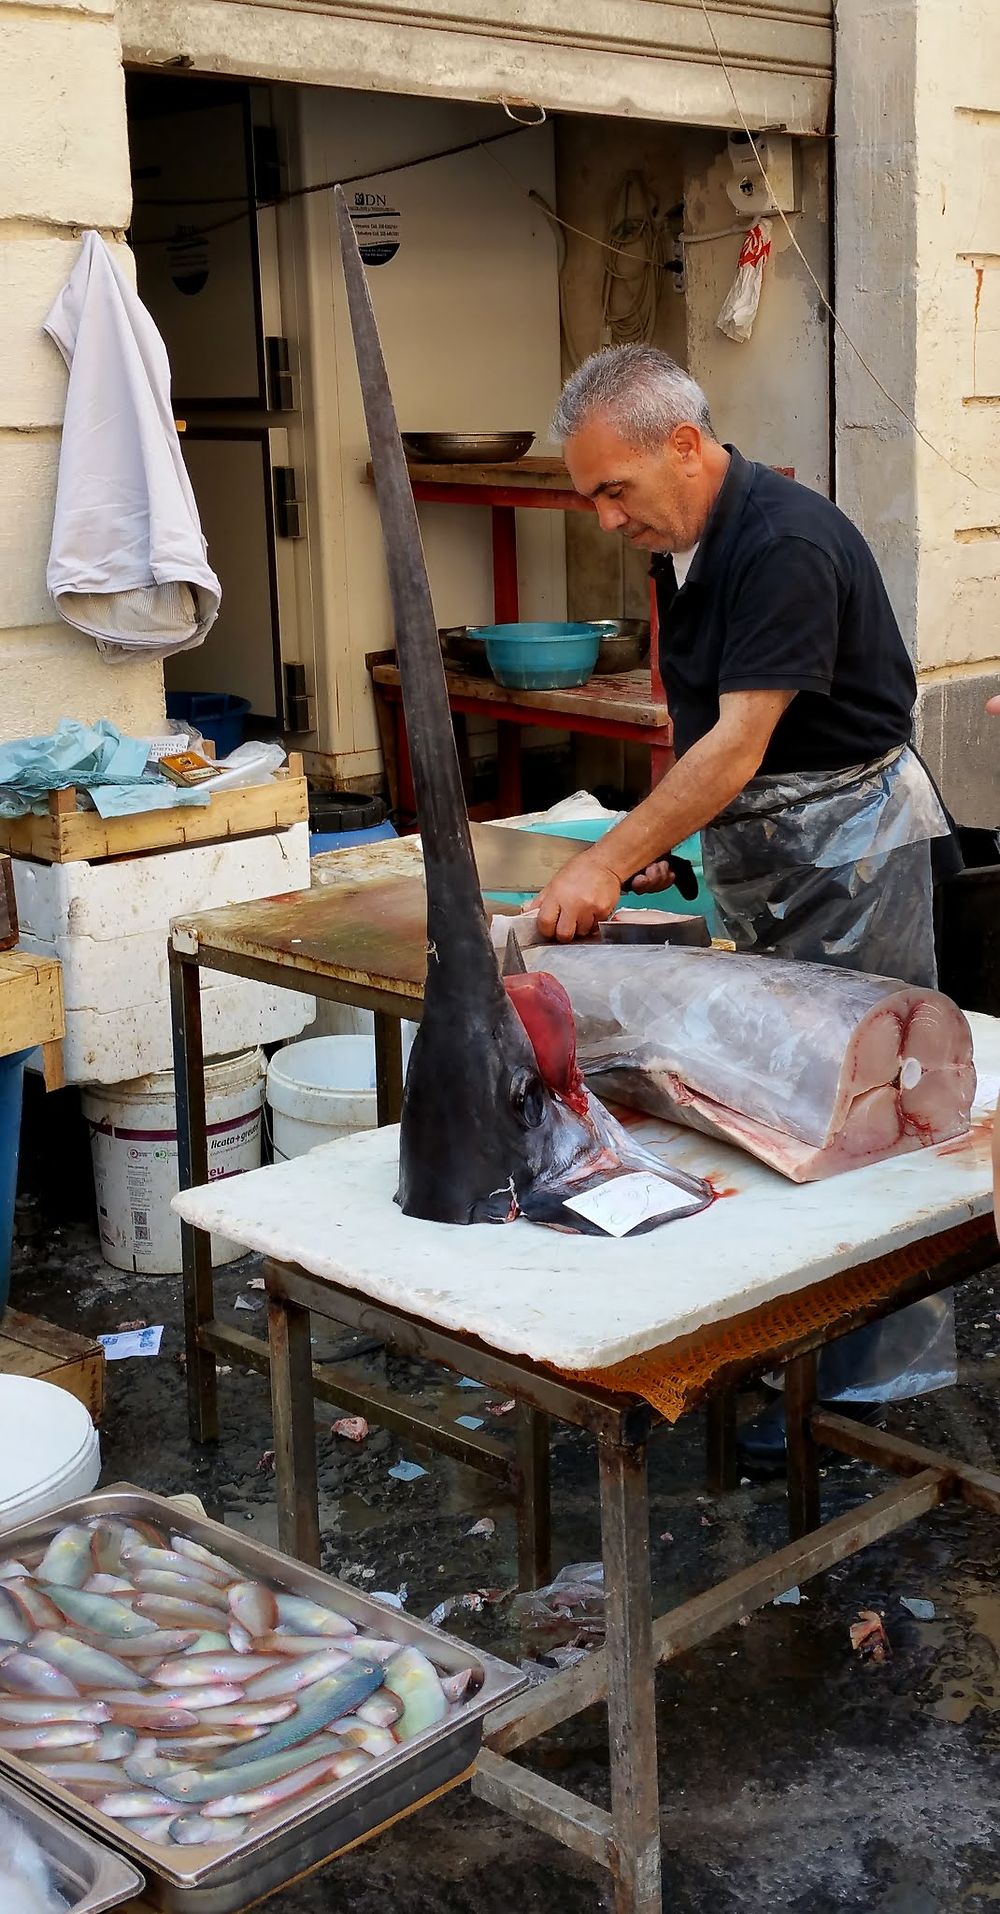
x,y
791,694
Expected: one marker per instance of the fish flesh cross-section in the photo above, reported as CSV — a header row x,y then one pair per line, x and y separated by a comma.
x,y
812,1069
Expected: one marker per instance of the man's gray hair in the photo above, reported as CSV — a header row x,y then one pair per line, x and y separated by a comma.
x,y
643,393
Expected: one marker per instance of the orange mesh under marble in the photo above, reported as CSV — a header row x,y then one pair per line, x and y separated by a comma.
x,y
677,1376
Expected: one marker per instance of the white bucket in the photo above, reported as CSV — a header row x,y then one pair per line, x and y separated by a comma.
x,y
49,1448
133,1134
319,1090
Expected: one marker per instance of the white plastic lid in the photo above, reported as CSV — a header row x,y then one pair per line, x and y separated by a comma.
x,y
45,1435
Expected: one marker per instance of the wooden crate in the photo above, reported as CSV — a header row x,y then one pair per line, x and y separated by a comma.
x,y
66,835
30,1347
31,1001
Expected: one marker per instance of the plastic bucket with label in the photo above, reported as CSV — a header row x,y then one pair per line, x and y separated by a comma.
x,y
133,1133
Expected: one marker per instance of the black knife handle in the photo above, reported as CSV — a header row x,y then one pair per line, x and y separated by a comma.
x,y
685,878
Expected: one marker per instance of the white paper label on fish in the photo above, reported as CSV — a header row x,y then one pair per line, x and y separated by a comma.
x,y
624,1202
813,1070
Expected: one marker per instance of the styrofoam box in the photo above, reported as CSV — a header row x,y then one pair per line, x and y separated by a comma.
x,y
108,924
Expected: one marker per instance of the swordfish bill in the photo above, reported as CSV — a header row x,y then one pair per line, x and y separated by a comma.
x,y
482,1136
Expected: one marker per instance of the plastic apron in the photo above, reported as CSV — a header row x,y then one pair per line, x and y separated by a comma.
x,y
835,868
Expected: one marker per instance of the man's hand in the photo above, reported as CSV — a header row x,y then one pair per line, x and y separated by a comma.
x,y
580,896
655,877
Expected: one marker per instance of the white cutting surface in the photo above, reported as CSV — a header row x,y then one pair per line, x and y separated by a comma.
x,y
586,1302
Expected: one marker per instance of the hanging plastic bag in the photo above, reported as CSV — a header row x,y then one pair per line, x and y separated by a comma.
x,y
739,307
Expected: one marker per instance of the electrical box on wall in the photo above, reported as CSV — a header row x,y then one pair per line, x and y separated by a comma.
x,y
749,189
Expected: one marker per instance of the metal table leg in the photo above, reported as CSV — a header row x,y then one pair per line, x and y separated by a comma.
x,y
720,1461
388,1066
631,1664
294,1429
534,1531
803,1455
192,1164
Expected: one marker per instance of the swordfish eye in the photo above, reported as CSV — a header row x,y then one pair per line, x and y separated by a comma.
x,y
527,1098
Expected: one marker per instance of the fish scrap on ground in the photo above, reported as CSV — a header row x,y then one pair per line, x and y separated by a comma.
x,y
191,1735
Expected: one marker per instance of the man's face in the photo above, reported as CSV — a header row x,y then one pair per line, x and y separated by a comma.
x,y
658,499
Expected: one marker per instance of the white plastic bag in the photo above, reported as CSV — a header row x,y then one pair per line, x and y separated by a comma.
x,y
739,307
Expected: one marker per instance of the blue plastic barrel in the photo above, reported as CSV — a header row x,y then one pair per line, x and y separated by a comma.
x,y
341,840
11,1087
218,715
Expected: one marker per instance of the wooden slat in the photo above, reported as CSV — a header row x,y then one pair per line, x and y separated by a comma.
x,y
886,1450
29,1347
72,836
31,1001
578,1824
8,906
625,698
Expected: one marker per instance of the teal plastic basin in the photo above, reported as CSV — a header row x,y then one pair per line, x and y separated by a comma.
x,y
590,830
540,656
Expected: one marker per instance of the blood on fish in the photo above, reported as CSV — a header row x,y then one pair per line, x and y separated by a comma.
x,y
543,1006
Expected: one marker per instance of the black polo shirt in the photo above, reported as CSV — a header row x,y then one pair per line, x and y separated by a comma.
x,y
784,595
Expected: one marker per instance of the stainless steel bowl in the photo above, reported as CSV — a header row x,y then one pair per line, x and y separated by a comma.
x,y
624,644
463,651
467,448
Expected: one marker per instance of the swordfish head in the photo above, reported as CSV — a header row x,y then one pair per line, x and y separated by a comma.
x,y
495,1119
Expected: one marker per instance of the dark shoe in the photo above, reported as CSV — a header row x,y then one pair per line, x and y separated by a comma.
x,y
760,1445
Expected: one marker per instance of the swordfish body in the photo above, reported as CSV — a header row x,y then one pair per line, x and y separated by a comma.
x,y
485,1135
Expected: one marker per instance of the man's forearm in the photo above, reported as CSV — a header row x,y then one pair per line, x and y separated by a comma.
x,y
691,794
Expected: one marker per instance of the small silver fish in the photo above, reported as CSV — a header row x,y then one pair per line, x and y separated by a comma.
x,y
339,1767
87,1667
138,1712
416,1682
27,1674
197,1788
197,1830
91,1774
289,1676
218,1694
186,1749
319,1704
242,1641
194,1670
308,1618
382,1710
99,1614
24,1709
361,1734
170,1611
101,1584
48,1734
67,1558
114,1743
372,1648
10,1569
36,1608
211,1642
154,1647
253,1606
184,1588
145,1766
14,1624
148,1829
133,1807
456,1687
183,1545
108,1541
163,1561
252,1714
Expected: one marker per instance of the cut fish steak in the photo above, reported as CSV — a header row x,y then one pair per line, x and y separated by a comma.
x,y
812,1069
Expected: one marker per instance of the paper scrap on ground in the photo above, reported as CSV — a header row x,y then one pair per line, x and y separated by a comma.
x,y
920,1610
484,1526
624,1202
469,1382
790,1598
987,1090
132,1342
469,1422
406,1471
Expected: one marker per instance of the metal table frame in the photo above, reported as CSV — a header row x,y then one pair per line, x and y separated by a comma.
x,y
207,1340
626,1840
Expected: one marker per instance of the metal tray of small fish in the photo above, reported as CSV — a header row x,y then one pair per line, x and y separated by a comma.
x,y
84,1875
239,1853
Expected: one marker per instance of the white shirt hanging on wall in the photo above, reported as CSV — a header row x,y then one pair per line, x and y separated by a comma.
x,y
128,562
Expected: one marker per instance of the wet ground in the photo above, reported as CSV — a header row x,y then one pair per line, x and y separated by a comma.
x,y
795,1777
